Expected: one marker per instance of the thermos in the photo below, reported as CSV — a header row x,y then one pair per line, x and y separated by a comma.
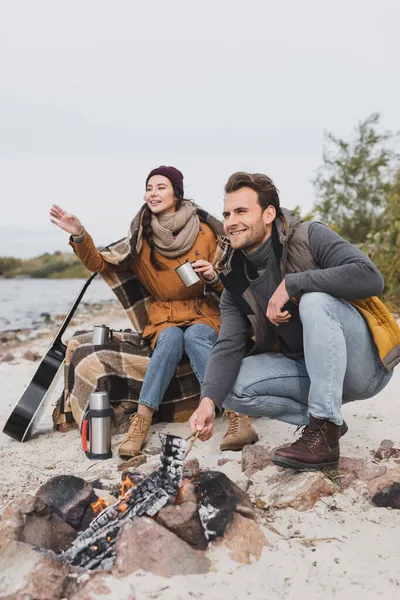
x,y
187,274
101,335
96,427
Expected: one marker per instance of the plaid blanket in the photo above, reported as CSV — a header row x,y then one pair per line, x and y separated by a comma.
x,y
120,366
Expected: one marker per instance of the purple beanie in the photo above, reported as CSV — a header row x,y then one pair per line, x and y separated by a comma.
x,y
175,176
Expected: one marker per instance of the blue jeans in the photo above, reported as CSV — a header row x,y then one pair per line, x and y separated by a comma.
x,y
196,341
340,364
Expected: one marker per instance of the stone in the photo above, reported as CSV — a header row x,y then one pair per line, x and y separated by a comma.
x,y
386,450
133,462
364,470
184,521
68,496
245,540
222,461
383,491
7,357
191,467
298,490
26,573
103,586
28,519
255,458
144,544
32,356
186,492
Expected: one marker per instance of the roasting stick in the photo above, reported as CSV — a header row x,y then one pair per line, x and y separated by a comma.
x,y
193,437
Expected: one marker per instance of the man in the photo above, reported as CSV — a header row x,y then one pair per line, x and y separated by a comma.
x,y
301,329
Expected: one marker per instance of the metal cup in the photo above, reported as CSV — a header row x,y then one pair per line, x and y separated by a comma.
x,y
187,274
101,335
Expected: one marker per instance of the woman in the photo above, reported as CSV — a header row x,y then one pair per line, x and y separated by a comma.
x,y
170,231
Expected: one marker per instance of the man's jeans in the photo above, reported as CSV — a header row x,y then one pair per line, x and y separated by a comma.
x,y
340,364
196,341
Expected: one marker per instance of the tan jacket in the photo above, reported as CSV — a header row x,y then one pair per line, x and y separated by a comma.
x,y
173,303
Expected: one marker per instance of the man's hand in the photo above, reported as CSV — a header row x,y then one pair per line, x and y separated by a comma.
x,y
203,419
205,268
277,301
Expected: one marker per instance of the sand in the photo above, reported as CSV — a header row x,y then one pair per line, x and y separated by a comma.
x,y
363,562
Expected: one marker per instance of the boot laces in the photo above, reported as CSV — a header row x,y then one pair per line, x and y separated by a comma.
x,y
137,428
311,435
234,422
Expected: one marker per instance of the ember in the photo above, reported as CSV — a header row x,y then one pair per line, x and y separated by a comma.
x,y
95,547
99,505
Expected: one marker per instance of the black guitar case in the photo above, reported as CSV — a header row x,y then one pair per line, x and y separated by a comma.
x,y
29,408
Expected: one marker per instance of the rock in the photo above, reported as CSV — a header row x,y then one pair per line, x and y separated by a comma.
x,y
144,544
245,539
364,470
384,491
186,492
133,462
299,490
222,461
104,586
386,450
389,497
7,357
68,496
27,574
184,521
255,458
29,355
28,519
191,467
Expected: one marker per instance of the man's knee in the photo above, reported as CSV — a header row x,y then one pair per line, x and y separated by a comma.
x,y
313,304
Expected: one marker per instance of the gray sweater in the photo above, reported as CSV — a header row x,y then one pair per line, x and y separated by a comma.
x,y
345,272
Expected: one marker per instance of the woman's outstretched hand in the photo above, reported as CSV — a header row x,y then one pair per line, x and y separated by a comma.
x,y
69,223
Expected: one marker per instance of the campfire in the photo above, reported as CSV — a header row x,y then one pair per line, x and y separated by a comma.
x,y
94,548
162,522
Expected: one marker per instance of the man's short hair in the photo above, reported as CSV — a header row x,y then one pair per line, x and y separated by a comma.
x,y
266,191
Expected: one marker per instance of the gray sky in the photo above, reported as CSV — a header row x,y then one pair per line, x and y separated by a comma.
x,y
95,93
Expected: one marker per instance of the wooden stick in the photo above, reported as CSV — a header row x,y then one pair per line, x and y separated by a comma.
x,y
193,437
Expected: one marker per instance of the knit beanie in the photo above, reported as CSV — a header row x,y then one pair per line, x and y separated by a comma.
x,y
174,175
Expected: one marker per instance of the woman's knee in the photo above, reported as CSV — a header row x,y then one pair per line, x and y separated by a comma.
x,y
171,338
199,333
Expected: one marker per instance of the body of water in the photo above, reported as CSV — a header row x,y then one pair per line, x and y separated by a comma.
x,y
24,303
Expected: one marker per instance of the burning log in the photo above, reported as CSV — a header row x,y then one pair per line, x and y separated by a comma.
x,y
95,547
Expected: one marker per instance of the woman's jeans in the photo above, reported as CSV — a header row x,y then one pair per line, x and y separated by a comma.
x,y
340,364
196,341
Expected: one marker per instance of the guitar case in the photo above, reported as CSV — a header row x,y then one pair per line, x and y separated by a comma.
x,y
29,408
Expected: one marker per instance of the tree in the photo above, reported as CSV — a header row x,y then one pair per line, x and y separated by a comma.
x,y
355,181
383,247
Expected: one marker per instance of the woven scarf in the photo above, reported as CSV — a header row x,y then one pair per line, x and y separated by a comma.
x,y
175,234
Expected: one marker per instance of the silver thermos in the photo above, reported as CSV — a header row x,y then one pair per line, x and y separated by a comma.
x,y
96,427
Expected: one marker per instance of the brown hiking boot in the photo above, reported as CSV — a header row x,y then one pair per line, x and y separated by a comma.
x,y
317,448
343,429
240,432
137,433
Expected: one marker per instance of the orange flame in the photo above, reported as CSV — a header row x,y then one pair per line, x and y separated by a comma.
x,y
99,505
126,485
123,507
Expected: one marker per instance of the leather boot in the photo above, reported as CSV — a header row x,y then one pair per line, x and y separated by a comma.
x,y
240,432
137,433
317,448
